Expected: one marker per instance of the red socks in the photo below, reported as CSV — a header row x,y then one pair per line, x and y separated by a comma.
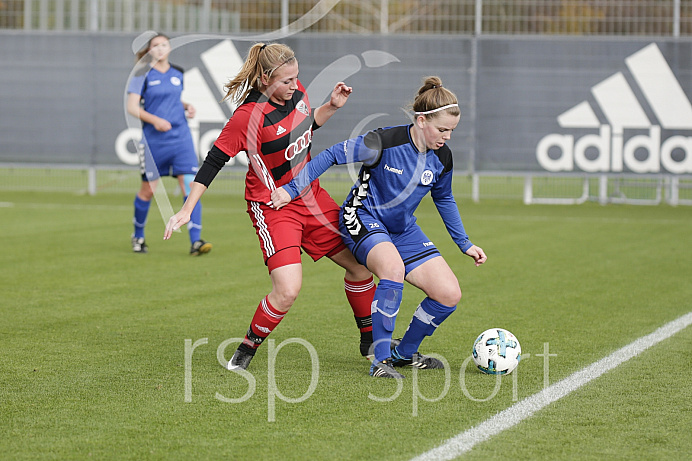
x,y
360,295
266,318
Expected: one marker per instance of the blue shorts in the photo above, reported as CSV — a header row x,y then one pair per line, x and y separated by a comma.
x,y
172,159
413,245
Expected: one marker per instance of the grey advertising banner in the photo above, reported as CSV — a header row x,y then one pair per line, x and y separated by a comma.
x,y
529,104
584,106
63,95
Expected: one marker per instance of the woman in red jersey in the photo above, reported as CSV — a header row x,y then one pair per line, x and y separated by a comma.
x,y
274,125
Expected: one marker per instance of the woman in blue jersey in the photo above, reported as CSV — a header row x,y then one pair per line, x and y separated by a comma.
x,y
401,165
167,147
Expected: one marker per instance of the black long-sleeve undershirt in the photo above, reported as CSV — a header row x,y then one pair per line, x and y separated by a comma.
x,y
215,160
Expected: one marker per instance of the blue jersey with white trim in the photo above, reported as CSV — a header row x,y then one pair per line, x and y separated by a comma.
x,y
393,180
161,94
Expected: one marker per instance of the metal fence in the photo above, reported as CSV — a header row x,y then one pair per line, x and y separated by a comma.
x,y
554,189
663,18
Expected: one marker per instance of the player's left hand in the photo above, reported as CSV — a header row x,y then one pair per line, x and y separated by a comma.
x,y
176,222
190,111
280,198
477,254
340,95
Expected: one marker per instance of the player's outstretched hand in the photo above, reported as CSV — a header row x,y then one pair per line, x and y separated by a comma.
x,y
280,198
176,222
477,254
340,94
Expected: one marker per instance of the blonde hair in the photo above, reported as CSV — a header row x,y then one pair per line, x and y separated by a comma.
x,y
145,49
262,59
432,98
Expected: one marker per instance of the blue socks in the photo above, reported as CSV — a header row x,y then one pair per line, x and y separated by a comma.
x,y
195,224
385,307
194,227
428,316
142,210
140,219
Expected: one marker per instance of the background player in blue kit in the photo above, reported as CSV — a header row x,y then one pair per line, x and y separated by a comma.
x,y
167,147
401,165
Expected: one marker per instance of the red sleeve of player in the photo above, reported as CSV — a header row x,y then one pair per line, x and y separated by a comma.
x,y
233,137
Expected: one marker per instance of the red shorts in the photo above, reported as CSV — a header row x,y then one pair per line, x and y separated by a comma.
x,y
310,223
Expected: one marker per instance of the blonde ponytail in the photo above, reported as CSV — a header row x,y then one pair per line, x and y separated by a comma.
x,y
262,59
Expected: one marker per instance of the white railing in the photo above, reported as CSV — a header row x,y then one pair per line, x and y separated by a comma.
x,y
572,189
531,188
479,17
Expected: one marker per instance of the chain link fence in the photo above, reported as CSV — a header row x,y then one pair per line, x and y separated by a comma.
x,y
663,18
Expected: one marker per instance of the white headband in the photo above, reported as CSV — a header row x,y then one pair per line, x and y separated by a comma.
x,y
437,110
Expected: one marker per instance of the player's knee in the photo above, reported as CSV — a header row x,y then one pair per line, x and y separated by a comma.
x,y
285,297
448,294
392,270
354,270
358,272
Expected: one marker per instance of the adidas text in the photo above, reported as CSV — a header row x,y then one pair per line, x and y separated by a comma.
x,y
644,149
612,152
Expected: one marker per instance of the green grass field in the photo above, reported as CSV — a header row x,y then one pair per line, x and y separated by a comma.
x,y
97,362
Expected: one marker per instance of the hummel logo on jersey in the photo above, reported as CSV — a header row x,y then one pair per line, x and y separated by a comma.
x,y
624,112
393,170
281,130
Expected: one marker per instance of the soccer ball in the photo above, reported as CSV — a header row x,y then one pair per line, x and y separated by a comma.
x,y
496,351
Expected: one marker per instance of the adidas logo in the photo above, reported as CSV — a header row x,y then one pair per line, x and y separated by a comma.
x,y
643,152
280,131
263,329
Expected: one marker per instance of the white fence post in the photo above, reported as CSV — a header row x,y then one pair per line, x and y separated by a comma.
x,y
603,189
94,15
27,15
91,186
74,15
674,193
528,189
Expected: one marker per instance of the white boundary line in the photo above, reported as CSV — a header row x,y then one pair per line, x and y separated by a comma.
x,y
518,412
